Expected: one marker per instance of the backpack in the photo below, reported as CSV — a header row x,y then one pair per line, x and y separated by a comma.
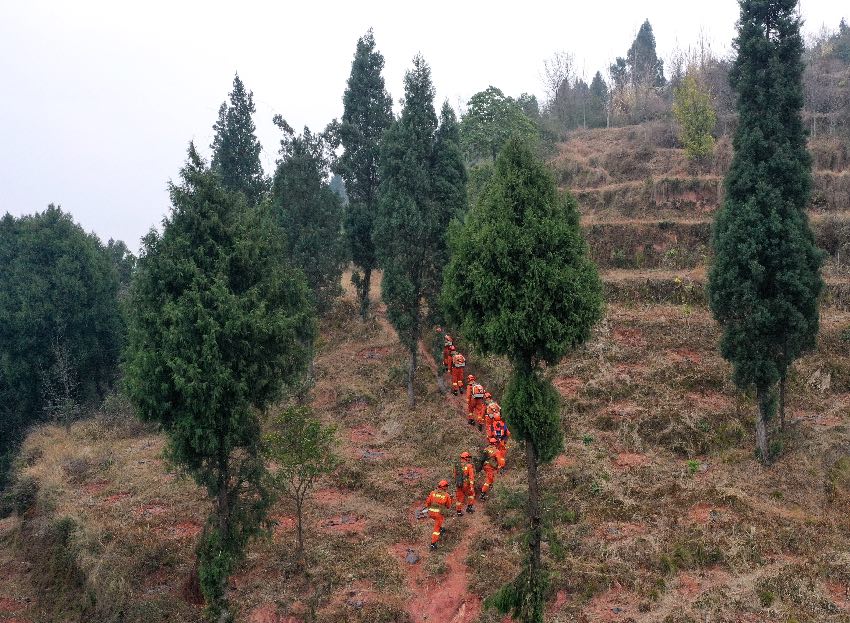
x,y
458,472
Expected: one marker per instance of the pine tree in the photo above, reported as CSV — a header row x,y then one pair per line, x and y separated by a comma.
x,y
310,213
59,316
367,115
765,281
645,68
597,109
409,226
218,324
449,199
236,150
520,284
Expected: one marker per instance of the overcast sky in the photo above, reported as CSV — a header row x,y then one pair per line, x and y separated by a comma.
x,y
100,99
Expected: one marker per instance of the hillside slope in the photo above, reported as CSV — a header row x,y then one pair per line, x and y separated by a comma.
x,y
659,511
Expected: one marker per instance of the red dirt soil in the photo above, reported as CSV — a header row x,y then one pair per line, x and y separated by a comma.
x,y
629,337
93,488
692,585
703,513
614,605
629,460
568,386
347,523
362,434
154,509
9,605
563,461
614,531
839,594
267,613
684,355
117,497
712,402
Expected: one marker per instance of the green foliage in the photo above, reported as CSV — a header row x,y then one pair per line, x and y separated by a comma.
x,y
58,304
423,187
367,115
302,450
765,280
310,213
236,150
532,408
644,66
597,109
520,282
490,120
695,114
218,324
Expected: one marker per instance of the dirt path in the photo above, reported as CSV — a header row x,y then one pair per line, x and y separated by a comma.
x,y
443,596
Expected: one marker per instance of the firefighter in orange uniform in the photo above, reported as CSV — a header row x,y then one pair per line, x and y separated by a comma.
x,y
438,500
465,483
470,381
493,462
475,402
481,409
501,433
458,366
448,345
493,409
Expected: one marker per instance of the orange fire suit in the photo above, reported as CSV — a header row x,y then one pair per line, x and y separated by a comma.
x,y
493,462
475,402
492,409
458,367
501,433
435,503
465,493
447,354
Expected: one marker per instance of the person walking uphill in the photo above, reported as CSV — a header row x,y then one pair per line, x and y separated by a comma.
x,y
448,346
458,366
465,482
493,461
438,500
475,402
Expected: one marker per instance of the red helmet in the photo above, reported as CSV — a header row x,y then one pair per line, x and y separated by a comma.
x,y
488,395
452,348
492,440
438,329
465,455
444,484
470,378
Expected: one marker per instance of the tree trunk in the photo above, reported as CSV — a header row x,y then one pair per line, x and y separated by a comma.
x,y
411,374
534,536
767,409
782,383
365,287
299,531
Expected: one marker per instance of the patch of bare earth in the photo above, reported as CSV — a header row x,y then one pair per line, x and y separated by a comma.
x,y
568,386
614,531
614,605
631,460
703,513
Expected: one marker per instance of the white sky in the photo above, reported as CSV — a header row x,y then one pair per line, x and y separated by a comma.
x,y
99,99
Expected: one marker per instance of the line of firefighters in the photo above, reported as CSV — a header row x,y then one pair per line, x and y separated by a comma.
x,y
485,413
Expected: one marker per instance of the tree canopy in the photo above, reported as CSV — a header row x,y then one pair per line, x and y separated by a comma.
x,y
58,300
218,324
491,119
765,279
236,149
310,213
367,115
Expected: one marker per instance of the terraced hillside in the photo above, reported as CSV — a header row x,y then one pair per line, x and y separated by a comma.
x,y
657,511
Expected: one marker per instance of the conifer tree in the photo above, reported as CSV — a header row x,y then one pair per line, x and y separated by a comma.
x,y
520,284
765,279
449,199
409,226
309,212
218,324
645,68
236,149
597,113
367,115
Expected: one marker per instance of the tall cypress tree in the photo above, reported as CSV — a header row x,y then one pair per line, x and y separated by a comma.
x,y
218,324
520,284
765,279
367,115
236,149
645,68
448,196
597,108
409,229
309,212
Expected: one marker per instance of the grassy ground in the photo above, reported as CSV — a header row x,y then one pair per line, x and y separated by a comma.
x,y
658,510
